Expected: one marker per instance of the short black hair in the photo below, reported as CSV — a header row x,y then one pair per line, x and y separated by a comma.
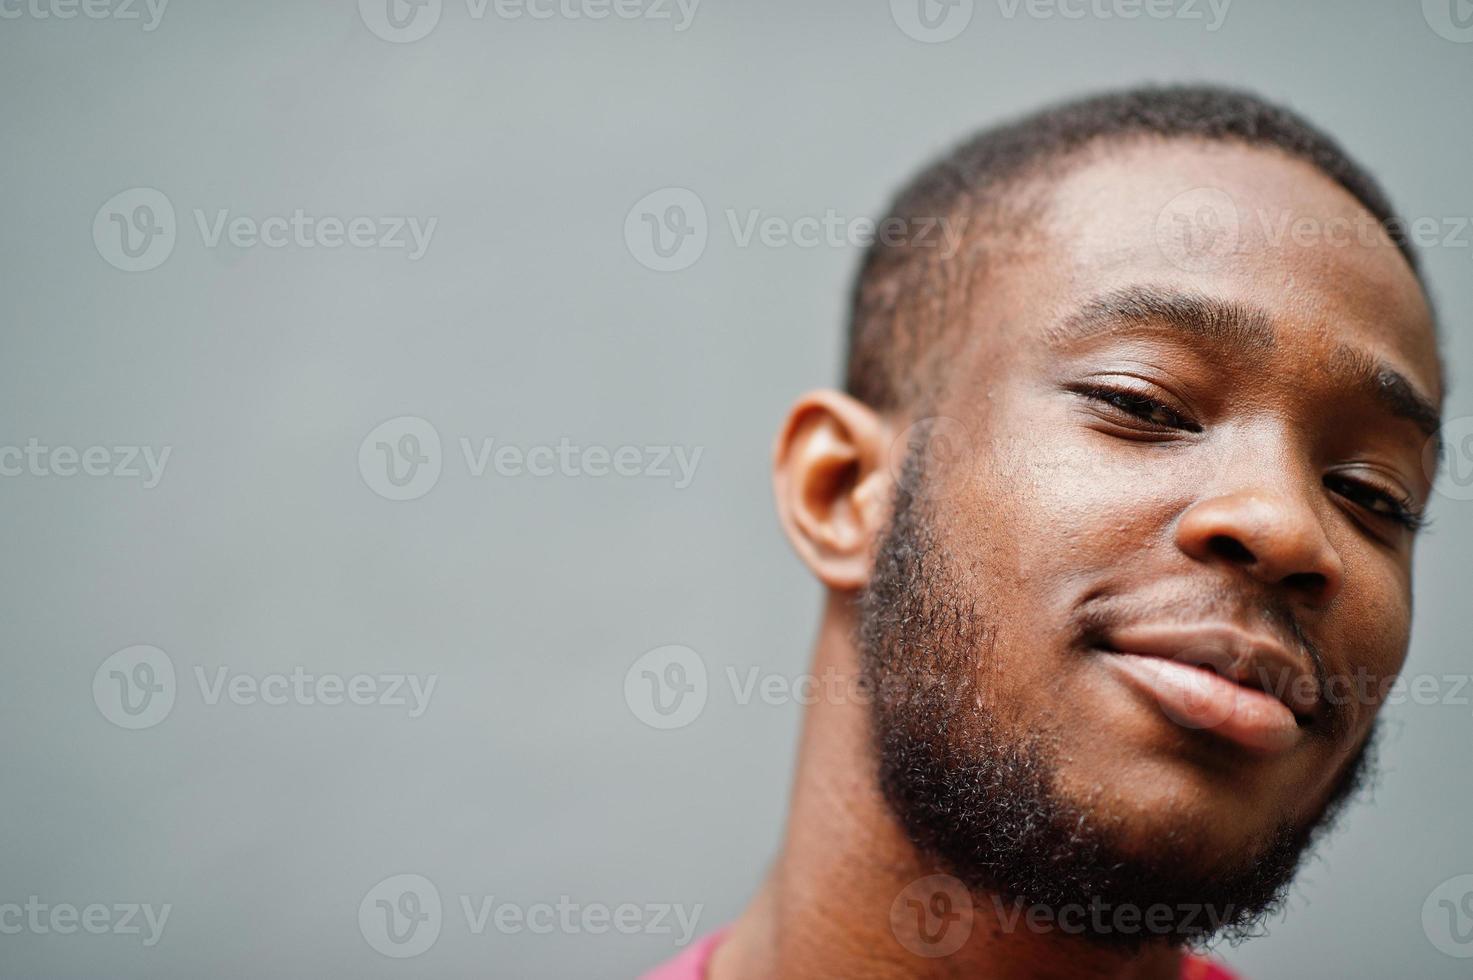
x,y
899,303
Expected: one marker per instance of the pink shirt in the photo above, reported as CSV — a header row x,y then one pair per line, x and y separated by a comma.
x,y
691,964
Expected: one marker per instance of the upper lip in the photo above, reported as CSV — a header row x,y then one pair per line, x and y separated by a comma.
x,y
1252,659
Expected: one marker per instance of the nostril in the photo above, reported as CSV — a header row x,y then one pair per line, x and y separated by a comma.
x,y
1310,582
1230,548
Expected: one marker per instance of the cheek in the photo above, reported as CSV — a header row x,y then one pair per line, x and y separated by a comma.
x,y
1027,522
1061,503
1031,511
1373,633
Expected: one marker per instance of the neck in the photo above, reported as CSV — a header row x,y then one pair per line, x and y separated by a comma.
x,y
825,908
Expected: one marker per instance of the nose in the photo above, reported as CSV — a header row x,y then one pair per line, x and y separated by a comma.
x,y
1274,537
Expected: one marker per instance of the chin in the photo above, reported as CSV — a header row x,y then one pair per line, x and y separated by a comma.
x,y
1202,832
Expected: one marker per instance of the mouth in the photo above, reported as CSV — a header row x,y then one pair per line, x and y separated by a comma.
x,y
1245,687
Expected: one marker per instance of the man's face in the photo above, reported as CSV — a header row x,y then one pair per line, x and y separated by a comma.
x,y
1184,459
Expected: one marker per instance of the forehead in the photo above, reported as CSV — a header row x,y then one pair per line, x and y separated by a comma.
x,y
1245,225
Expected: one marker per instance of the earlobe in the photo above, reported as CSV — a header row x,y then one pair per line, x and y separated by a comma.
x,y
833,485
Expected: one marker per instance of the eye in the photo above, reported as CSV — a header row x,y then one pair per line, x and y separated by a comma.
x,y
1140,407
1382,503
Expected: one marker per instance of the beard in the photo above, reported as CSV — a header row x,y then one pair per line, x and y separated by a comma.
x,y
981,800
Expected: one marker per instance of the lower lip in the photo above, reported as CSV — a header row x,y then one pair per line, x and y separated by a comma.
x,y
1196,698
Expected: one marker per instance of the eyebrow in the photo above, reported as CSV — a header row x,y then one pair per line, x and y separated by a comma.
x,y
1391,389
1248,329
1217,321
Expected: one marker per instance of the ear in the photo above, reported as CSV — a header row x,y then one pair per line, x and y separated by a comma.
x,y
833,485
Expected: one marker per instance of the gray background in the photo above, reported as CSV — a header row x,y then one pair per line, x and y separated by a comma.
x,y
530,320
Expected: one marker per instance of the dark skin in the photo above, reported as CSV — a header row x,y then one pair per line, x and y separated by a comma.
x,y
1176,469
